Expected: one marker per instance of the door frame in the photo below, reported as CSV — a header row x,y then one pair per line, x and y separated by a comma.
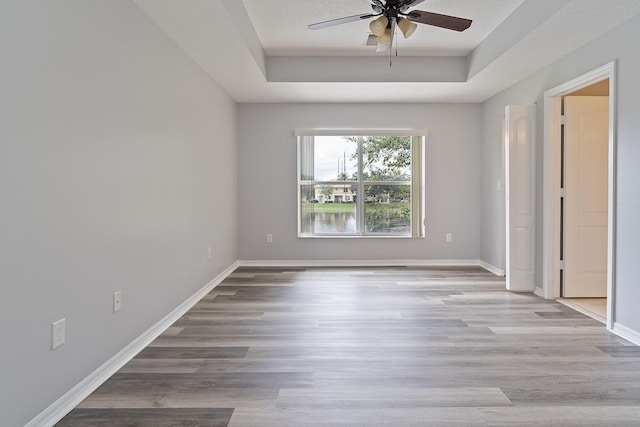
x,y
551,185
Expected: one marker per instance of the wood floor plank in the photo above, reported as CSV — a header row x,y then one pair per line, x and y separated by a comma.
x,y
561,416
162,417
391,397
192,353
373,347
621,350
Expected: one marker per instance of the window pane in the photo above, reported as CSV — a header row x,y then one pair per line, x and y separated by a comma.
x,y
386,158
305,157
307,195
340,197
325,217
335,158
387,209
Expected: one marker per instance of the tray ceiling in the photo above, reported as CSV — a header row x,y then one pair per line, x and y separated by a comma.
x,y
262,51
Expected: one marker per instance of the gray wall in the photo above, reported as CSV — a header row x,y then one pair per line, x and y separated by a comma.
x,y
619,45
267,180
117,171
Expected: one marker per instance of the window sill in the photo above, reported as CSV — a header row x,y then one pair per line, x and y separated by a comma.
x,y
335,236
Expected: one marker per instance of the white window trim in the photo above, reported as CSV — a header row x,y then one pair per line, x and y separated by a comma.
x,y
417,183
362,132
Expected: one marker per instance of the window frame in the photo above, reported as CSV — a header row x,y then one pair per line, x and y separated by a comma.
x,y
416,183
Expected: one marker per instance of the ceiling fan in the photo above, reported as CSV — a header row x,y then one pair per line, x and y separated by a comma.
x,y
392,13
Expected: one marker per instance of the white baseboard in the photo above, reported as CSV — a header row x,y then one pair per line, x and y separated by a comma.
x,y
626,333
77,394
539,292
495,270
361,263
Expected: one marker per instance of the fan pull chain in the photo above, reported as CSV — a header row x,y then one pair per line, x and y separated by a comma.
x,y
394,35
396,46
391,49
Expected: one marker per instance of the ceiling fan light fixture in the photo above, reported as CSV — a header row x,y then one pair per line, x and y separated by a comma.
x,y
407,27
391,14
385,37
379,26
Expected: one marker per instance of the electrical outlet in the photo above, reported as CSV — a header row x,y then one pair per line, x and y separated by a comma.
x,y
209,253
57,333
269,238
449,238
117,301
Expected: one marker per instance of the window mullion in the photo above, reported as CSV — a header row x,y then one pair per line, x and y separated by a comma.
x,y
360,200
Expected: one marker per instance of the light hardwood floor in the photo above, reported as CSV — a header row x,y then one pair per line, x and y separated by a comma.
x,y
592,307
373,347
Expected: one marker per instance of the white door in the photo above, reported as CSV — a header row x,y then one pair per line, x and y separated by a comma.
x,y
520,194
586,196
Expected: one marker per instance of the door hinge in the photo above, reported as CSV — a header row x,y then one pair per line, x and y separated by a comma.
x,y
562,265
563,119
563,192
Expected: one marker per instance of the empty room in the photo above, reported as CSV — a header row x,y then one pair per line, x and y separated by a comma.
x,y
322,213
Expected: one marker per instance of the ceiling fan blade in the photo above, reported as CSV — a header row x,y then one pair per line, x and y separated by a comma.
x,y
339,21
377,5
438,20
409,3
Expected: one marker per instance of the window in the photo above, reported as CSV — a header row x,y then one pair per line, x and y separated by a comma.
x,y
360,184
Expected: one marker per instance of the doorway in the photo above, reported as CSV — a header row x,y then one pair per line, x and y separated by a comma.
x,y
578,252
584,175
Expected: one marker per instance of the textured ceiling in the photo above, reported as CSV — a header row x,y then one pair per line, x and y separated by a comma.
x,y
261,51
